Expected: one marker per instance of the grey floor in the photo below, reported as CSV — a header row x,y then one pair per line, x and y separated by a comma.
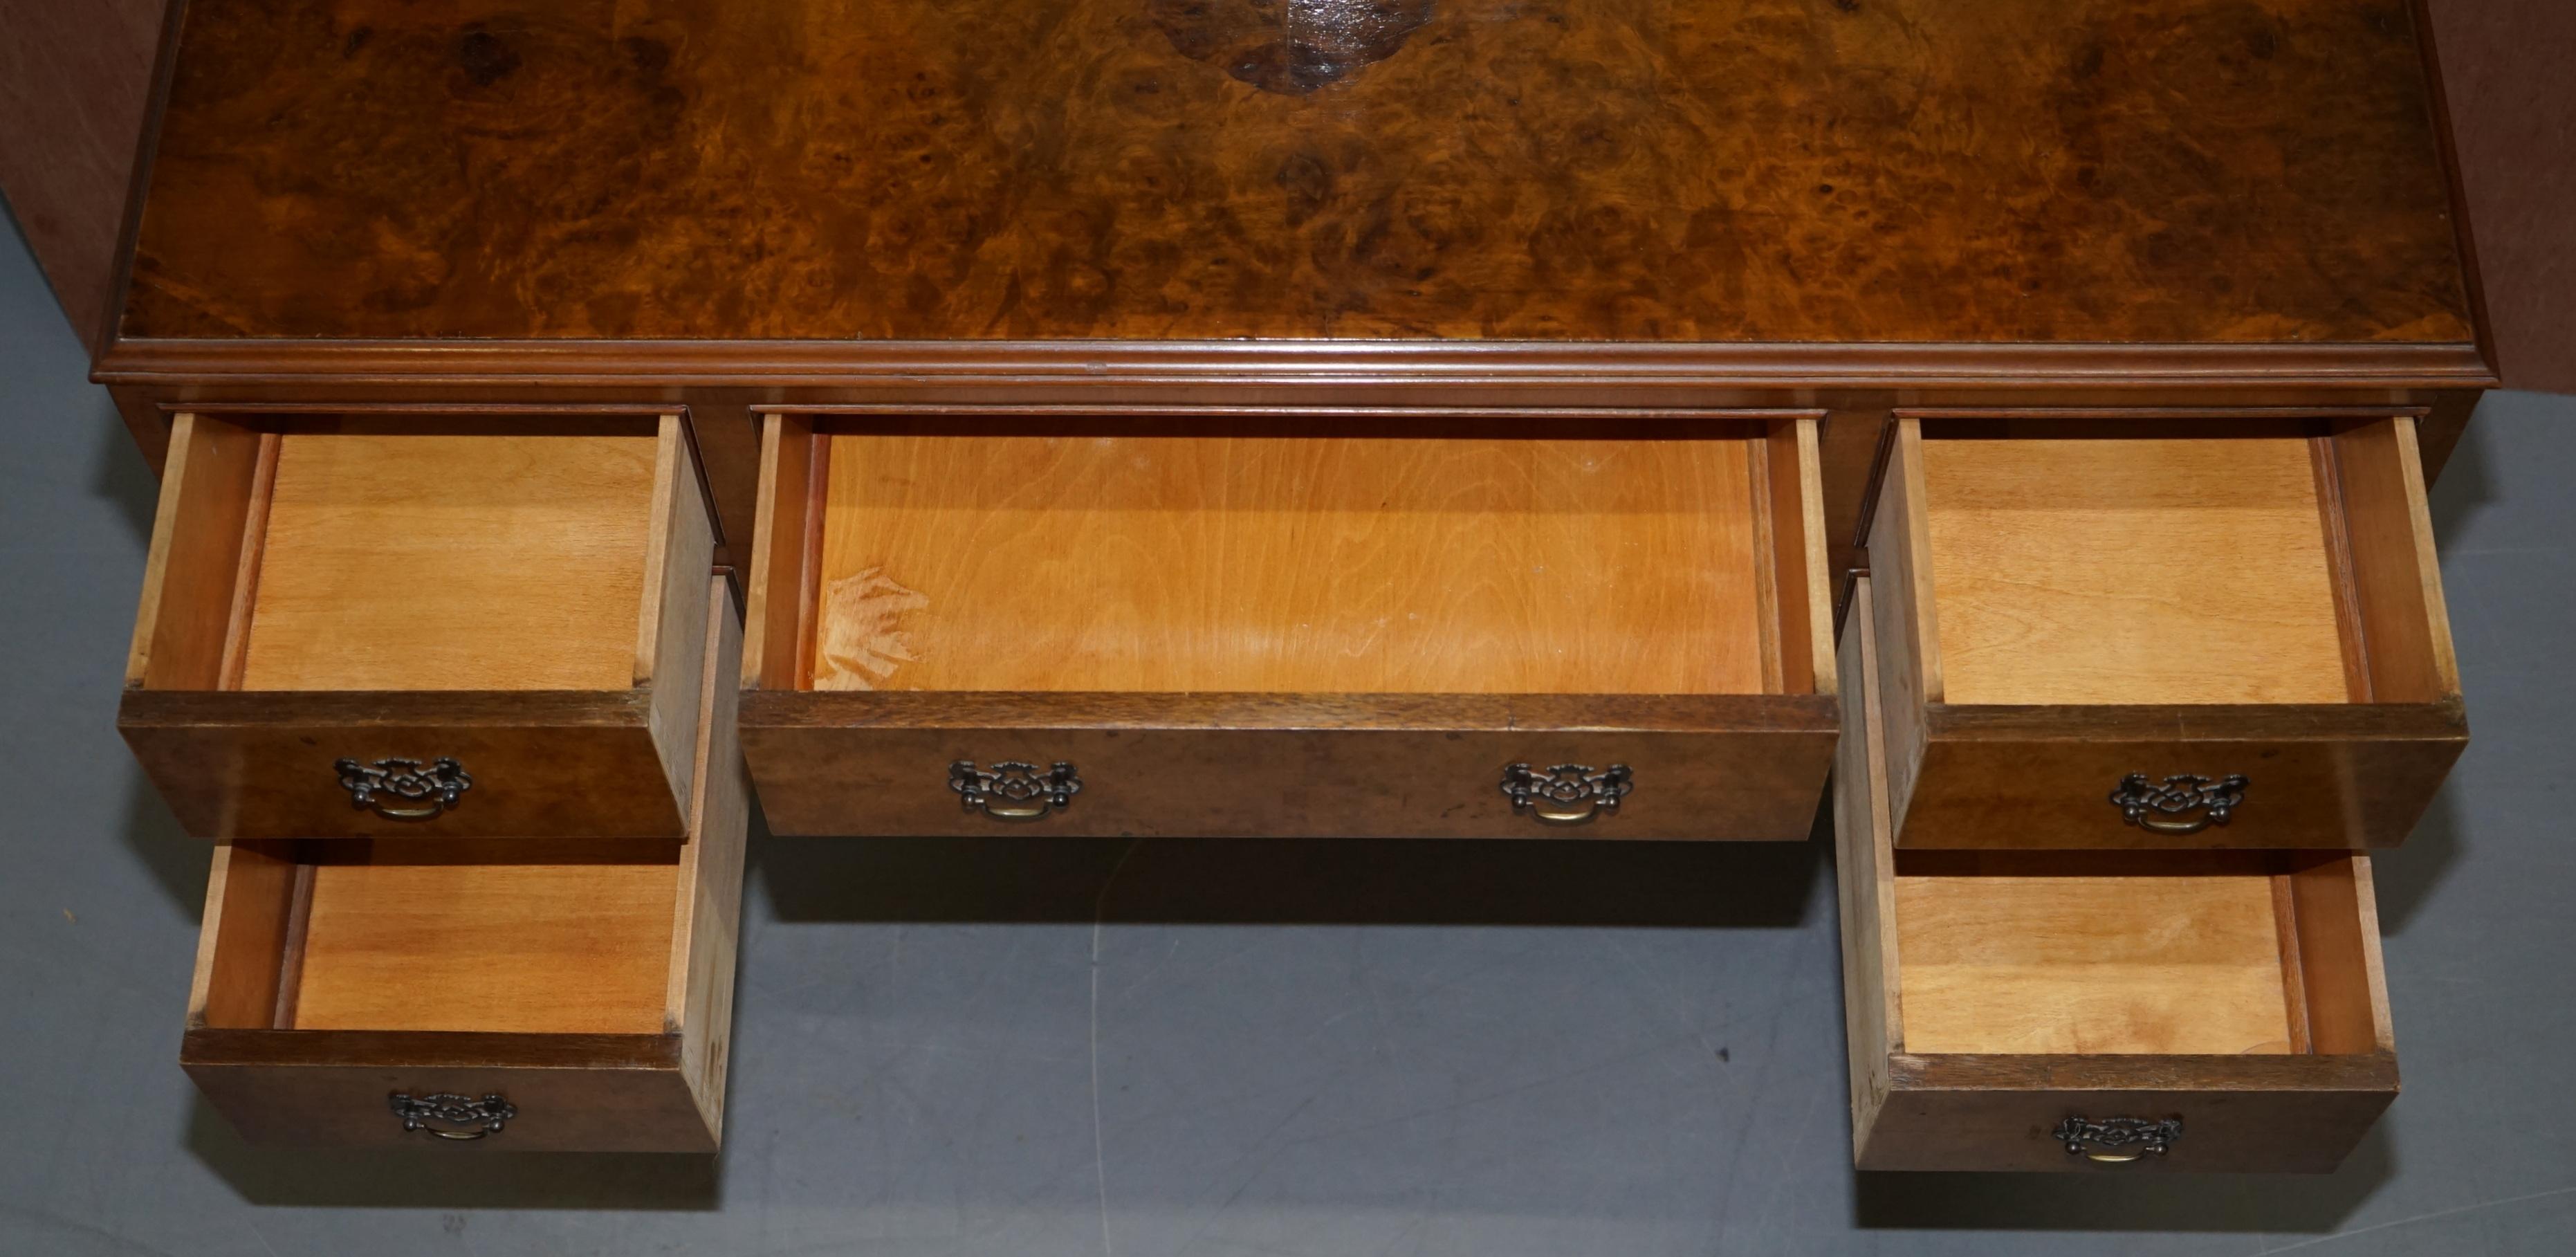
x,y
1038,1048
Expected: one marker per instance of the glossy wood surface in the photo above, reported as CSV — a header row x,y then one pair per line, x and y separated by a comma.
x,y
1615,562
1788,171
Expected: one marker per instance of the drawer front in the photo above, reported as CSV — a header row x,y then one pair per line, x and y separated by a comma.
x,y
315,766
890,764
2160,632
396,624
1952,1118
492,1093
2351,778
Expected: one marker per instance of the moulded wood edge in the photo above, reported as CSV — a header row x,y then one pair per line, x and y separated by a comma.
x,y
938,709
933,365
2365,1072
180,709
430,1049
2444,721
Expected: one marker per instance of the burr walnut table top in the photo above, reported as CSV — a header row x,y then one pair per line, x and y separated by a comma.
x,y
1755,171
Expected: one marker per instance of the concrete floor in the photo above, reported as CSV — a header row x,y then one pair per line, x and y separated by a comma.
x,y
1035,1047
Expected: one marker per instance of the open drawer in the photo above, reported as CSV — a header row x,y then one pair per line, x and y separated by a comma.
x,y
405,625
1617,627
539,994
2161,632
2083,1010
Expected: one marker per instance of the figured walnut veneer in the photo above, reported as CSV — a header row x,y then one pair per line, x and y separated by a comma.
x,y
1775,170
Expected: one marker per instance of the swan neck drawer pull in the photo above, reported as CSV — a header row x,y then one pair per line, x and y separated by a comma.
x,y
452,1116
404,789
2117,1140
1012,790
2184,804
1567,794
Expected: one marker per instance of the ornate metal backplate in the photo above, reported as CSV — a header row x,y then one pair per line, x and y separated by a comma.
x,y
2117,1138
404,789
1567,794
2170,808
452,1116
1013,790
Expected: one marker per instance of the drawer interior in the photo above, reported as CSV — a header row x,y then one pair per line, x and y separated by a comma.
x,y
1607,557
2219,953
546,936
2178,561
380,553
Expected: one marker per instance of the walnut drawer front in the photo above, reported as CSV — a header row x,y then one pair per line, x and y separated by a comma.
x,y
385,625
530,994
2114,1011
1424,627
2160,632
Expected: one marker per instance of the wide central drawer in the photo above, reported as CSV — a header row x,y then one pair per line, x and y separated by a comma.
x,y
423,625
1187,626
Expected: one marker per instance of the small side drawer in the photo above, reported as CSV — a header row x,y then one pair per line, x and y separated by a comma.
x,y
2161,632
506,994
1430,627
2117,1011
397,625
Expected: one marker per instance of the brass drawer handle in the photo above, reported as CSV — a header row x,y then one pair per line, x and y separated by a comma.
x,y
2117,1140
2160,807
1013,790
403,789
452,1116
1567,794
